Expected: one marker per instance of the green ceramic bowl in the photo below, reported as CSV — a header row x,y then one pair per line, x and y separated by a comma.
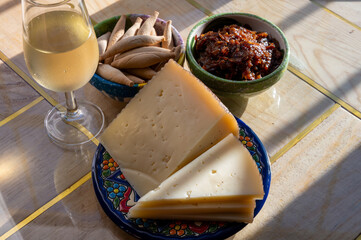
x,y
225,86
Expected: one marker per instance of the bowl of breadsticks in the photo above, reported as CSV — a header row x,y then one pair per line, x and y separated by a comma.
x,y
132,49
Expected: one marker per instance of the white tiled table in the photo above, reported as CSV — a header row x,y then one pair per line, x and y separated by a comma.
x,y
309,122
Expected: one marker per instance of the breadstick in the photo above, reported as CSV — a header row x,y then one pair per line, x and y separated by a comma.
x,y
141,60
133,29
145,49
129,43
167,41
159,66
103,42
177,51
118,31
148,24
153,32
142,50
145,73
112,74
108,60
133,78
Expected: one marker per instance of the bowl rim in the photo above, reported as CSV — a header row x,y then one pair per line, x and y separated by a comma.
x,y
191,60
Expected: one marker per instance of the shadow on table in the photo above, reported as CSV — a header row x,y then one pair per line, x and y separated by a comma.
x,y
350,84
296,17
328,209
328,195
9,4
178,16
235,103
327,1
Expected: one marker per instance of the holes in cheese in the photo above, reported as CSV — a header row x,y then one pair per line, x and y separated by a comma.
x,y
225,174
176,115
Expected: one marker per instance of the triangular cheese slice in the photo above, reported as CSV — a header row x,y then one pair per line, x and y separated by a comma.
x,y
226,173
171,121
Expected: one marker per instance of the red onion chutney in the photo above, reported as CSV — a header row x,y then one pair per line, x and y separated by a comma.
x,y
237,53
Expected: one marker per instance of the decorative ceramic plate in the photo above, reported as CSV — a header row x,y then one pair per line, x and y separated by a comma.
x,y
116,197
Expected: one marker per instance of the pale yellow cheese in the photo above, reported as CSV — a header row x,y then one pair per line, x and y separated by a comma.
x,y
195,209
171,121
208,206
227,217
171,200
205,202
225,173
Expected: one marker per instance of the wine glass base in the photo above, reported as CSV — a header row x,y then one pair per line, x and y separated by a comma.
x,y
78,129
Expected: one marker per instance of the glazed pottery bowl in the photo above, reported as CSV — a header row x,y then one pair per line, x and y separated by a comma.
x,y
224,86
118,91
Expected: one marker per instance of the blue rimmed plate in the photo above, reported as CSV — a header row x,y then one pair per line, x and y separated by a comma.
x,y
116,197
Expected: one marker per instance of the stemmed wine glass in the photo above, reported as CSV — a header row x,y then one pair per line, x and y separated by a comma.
x,y
61,53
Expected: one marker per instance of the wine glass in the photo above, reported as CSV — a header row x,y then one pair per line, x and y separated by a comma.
x,y
61,53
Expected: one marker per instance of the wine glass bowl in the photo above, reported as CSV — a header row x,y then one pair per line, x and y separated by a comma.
x,y
61,54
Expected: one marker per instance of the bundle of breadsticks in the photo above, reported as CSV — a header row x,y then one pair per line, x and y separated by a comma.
x,y
136,54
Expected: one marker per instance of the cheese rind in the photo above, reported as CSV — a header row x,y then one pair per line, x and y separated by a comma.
x,y
206,205
172,201
228,217
197,208
225,173
204,201
172,120
171,211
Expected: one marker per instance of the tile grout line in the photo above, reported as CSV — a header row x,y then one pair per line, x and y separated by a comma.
x,y
46,96
296,72
53,102
312,83
336,15
87,177
20,111
323,90
27,79
200,7
304,133
46,206
358,237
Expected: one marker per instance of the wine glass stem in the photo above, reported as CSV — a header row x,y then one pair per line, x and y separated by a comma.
x,y
72,112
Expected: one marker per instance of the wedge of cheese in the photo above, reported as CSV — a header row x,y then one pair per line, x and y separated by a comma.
x,y
225,174
171,121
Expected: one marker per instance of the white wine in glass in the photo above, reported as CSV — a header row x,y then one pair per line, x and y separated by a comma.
x,y
61,53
